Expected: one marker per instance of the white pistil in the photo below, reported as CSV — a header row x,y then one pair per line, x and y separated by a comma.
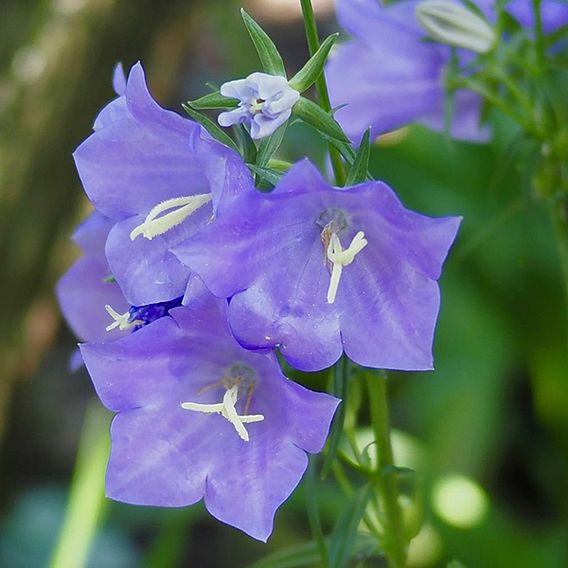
x,y
340,258
122,321
183,207
227,410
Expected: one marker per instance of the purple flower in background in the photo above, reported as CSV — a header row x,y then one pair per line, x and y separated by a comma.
x,y
201,417
317,270
159,178
388,76
266,103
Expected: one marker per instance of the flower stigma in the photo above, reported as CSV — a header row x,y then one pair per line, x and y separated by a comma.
x,y
121,321
182,208
338,257
227,410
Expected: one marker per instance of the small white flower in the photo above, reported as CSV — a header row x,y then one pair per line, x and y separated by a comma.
x,y
266,103
453,24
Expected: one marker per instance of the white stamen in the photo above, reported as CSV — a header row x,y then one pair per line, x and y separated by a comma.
x,y
227,410
340,258
120,320
182,207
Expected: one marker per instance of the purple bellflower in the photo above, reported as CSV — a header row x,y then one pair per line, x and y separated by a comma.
x,y
387,76
201,417
266,103
316,270
91,301
159,178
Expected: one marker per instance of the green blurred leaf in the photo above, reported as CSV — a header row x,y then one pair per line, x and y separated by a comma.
x,y
313,511
310,72
340,386
341,546
358,171
269,145
322,121
268,54
211,127
213,101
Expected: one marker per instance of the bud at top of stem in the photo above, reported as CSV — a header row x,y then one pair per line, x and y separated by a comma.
x,y
453,24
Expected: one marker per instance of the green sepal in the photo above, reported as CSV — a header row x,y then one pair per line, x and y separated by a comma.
x,y
269,145
310,72
211,127
358,172
212,101
268,54
322,121
248,149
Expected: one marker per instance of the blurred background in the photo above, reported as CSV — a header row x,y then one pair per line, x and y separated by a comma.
x,y
488,430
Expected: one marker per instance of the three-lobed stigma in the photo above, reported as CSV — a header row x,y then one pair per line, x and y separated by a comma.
x,y
227,410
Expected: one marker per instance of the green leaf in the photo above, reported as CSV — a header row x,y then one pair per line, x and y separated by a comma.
x,y
213,100
313,511
358,172
268,175
340,384
211,127
269,145
322,121
341,546
268,54
310,72
248,149
292,557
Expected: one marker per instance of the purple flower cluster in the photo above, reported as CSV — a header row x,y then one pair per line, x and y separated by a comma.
x,y
387,75
191,278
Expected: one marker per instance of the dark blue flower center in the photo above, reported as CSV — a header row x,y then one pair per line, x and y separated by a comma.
x,y
152,312
333,219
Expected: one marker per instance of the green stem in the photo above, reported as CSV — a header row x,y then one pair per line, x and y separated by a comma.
x,y
539,35
87,497
559,215
395,539
321,86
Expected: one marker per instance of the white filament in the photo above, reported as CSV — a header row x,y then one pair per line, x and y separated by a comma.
x,y
227,410
340,258
120,320
183,207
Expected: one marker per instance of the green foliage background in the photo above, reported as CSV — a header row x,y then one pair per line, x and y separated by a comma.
x,y
495,409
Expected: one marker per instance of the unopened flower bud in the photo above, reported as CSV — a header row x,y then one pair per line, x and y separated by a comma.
x,y
453,24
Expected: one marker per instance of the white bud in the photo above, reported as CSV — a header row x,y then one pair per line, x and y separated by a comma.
x,y
453,24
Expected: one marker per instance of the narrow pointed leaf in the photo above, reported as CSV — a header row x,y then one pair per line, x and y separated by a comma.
x,y
248,149
309,73
211,127
315,116
341,546
268,54
268,146
359,168
268,175
212,101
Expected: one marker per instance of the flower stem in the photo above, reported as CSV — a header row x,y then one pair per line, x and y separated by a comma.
x,y
395,539
321,86
559,216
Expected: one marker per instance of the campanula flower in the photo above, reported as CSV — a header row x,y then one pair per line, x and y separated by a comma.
x,y
159,178
91,300
318,270
266,103
388,76
201,417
